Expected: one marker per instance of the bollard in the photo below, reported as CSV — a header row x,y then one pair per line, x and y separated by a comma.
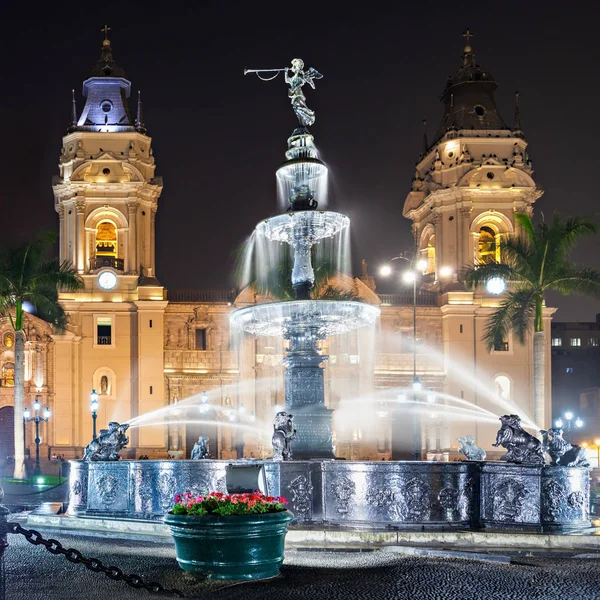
x,y
4,512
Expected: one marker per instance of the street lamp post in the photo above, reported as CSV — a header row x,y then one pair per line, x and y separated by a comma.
x,y
411,276
569,418
94,409
36,419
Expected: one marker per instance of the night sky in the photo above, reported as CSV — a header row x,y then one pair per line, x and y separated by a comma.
x,y
218,136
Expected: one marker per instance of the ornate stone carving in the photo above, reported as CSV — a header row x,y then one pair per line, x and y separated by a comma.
x,y
380,497
561,452
166,485
76,488
416,496
301,495
448,498
576,500
283,435
508,498
469,449
343,489
107,487
200,449
108,444
522,447
553,499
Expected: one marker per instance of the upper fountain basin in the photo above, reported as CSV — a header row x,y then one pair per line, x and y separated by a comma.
x,y
330,317
311,225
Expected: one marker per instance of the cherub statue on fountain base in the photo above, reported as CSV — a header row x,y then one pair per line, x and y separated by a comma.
x,y
283,435
469,449
563,453
108,443
200,449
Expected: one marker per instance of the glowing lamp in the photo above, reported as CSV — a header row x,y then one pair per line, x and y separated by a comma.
x,y
36,405
47,413
431,398
416,385
422,265
579,423
445,271
204,397
409,276
495,285
597,442
568,416
385,271
241,409
26,414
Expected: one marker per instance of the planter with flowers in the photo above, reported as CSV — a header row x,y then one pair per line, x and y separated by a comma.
x,y
240,536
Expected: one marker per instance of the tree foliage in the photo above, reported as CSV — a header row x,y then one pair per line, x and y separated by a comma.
x,y
533,264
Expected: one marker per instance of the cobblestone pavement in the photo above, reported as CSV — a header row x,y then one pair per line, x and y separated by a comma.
x,y
34,574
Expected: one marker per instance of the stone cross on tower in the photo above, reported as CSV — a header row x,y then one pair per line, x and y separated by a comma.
x,y
468,35
105,29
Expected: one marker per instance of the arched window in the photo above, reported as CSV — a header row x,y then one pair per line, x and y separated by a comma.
x,y
427,249
489,249
8,375
106,239
9,339
502,387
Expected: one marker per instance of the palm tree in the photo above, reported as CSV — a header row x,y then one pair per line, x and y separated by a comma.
x,y
28,275
534,264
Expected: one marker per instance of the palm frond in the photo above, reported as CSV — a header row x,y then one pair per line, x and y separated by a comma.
x,y
576,280
524,220
483,272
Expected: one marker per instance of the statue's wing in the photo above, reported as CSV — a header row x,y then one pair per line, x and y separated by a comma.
x,y
310,75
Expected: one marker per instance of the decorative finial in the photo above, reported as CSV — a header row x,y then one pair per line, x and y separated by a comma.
x,y
105,30
74,117
468,35
139,124
517,120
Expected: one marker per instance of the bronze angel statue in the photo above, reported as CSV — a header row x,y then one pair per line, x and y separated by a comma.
x,y
295,77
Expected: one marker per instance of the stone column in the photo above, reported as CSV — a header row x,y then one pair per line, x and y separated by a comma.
x,y
132,259
62,243
80,236
465,257
152,240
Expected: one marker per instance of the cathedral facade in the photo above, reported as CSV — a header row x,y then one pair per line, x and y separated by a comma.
x,y
167,361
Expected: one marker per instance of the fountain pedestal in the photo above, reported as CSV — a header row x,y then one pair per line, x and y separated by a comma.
x,y
304,393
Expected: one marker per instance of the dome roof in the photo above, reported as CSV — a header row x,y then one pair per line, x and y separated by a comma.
x,y
469,99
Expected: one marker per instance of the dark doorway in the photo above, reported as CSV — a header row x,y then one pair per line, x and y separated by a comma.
x,y
194,430
7,432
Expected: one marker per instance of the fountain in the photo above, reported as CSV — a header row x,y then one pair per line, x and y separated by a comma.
x,y
521,492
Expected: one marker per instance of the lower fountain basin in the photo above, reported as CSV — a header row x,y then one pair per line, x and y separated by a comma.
x,y
353,495
329,317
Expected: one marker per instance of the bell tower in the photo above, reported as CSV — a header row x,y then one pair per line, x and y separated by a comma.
x,y
471,180
106,196
469,183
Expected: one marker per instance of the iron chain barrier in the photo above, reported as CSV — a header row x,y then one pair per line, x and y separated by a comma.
x,y
74,556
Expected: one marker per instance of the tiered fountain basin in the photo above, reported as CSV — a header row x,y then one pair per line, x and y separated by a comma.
x,y
399,495
328,317
313,225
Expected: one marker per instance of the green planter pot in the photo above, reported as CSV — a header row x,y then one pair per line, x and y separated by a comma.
x,y
231,547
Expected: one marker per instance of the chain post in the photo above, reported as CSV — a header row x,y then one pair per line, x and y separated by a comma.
x,y
4,512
